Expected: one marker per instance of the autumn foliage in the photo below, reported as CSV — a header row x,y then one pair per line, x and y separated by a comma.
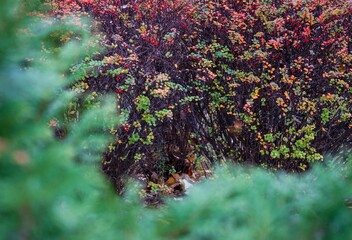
x,y
260,82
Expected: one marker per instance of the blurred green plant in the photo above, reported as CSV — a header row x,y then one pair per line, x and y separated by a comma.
x,y
243,203
49,188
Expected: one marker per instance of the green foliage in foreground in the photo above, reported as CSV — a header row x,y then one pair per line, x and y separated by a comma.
x,y
254,204
46,193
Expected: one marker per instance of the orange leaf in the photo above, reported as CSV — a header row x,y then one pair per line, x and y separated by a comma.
x,y
170,181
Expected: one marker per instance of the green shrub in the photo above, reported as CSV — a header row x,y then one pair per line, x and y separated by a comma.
x,y
251,204
45,193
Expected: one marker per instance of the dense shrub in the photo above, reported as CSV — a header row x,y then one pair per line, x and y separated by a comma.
x,y
261,82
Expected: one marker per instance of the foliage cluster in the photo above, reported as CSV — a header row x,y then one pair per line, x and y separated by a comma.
x,y
50,191
43,181
261,82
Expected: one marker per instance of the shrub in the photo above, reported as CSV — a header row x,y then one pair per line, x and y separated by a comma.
x,y
45,193
260,82
252,203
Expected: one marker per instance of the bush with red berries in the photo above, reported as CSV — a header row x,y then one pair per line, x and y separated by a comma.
x,y
260,82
